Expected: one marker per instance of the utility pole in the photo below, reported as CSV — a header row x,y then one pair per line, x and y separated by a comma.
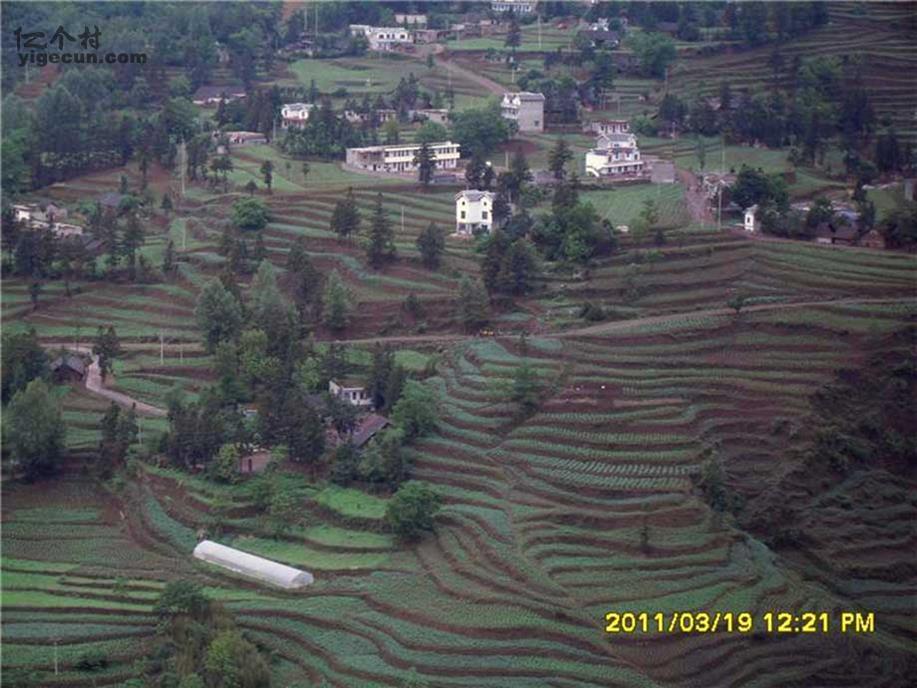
x,y
539,32
56,640
184,235
183,164
402,219
162,348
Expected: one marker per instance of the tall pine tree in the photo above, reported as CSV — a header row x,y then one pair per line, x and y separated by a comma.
x,y
381,246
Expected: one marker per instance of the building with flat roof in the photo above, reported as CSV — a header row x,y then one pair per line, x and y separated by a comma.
x,y
516,6
350,391
525,109
399,158
615,155
383,38
473,211
296,114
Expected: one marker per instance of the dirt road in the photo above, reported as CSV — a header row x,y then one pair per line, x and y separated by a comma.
x,y
94,383
487,84
695,199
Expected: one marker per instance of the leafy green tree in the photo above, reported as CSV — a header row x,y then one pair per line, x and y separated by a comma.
x,y
284,511
416,412
218,314
250,214
480,130
380,247
267,172
472,304
107,347
23,360
431,243
426,164
655,52
411,511
345,218
168,258
558,157
431,132
225,467
526,388
233,662
513,33
181,597
338,302
34,430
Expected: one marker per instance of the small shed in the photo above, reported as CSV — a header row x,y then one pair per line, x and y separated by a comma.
x,y
251,566
367,428
68,368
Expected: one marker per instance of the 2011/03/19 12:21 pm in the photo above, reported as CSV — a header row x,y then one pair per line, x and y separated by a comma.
x,y
742,622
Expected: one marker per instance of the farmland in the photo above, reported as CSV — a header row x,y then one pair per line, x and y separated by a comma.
x,y
665,461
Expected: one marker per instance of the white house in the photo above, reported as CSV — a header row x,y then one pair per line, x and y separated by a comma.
x,y
751,219
350,392
296,114
382,38
525,109
473,211
400,157
516,6
615,155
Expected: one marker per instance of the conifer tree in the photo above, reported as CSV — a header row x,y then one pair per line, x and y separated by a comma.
x,y
381,245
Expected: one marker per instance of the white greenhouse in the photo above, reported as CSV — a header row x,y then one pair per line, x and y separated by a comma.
x,y
251,566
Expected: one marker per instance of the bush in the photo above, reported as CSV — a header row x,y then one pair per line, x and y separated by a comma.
x,y
411,511
593,312
92,660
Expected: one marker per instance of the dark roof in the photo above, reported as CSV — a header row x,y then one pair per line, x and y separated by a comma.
x,y
601,35
367,427
75,363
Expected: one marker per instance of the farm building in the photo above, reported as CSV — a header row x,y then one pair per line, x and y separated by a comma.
x,y
111,200
473,210
525,109
350,391
245,138
68,368
438,115
516,6
366,427
400,157
382,38
295,114
751,219
251,566
615,155
255,462
212,95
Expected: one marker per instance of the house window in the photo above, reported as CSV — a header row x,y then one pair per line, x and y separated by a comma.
x,y
483,214
463,215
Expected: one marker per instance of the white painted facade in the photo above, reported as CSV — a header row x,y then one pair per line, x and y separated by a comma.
x,y
399,158
517,6
296,114
353,394
473,210
615,155
751,219
383,38
525,109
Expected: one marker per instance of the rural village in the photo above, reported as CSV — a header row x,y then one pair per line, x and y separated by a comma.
x,y
421,343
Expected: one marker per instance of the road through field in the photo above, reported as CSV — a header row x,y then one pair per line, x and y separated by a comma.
x,y
94,377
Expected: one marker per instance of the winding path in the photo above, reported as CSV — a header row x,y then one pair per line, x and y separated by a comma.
x,y
95,384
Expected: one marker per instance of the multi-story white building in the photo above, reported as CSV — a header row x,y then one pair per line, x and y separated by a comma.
x,y
517,6
296,114
383,38
473,211
399,158
615,155
525,109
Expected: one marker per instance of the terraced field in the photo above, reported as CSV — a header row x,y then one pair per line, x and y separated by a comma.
x,y
584,507
880,35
